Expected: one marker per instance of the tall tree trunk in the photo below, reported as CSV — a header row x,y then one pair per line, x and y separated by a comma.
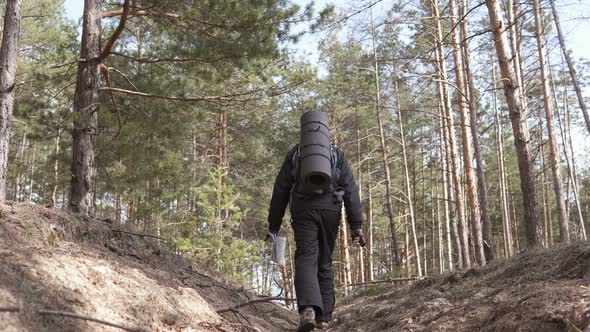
x,y
488,241
384,154
564,235
131,210
117,208
466,135
410,204
82,193
407,254
370,242
361,257
450,225
514,226
547,218
56,170
344,255
518,117
452,148
570,66
32,177
446,200
8,55
506,229
20,151
441,258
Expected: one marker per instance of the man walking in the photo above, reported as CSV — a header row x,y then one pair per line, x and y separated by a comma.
x,y
316,179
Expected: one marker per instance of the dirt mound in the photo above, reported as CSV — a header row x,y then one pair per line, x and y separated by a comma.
x,y
53,263
540,290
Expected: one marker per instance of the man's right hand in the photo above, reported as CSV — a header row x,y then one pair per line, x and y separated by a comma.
x,y
357,237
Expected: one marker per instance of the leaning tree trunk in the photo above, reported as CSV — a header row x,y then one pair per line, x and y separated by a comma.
x,y
466,136
453,158
86,106
8,54
553,145
533,228
570,66
565,130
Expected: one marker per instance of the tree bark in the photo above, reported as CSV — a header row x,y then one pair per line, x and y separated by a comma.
x,y
8,57
570,66
518,117
82,193
564,235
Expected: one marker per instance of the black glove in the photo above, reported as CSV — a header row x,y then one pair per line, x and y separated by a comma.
x,y
357,237
270,236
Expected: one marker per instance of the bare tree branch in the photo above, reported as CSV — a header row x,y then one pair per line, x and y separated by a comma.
x,y
77,316
124,15
187,99
113,13
264,299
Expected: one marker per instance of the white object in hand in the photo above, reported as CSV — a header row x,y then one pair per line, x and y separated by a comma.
x,y
278,249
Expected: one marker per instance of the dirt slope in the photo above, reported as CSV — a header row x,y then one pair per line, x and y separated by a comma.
x,y
51,260
542,290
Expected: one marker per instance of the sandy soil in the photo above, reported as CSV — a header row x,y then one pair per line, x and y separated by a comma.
x,y
51,260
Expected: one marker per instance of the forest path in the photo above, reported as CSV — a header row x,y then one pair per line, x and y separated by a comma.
x,y
51,260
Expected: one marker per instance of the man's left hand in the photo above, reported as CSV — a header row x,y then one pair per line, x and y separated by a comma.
x,y
270,236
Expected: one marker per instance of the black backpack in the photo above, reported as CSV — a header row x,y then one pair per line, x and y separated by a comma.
x,y
335,162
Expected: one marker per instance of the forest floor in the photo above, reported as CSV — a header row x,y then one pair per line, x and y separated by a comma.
x,y
539,290
53,261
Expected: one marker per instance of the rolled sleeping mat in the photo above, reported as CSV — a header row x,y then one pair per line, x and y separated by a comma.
x,y
315,153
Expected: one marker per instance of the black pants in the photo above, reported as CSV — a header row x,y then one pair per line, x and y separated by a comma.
x,y
315,236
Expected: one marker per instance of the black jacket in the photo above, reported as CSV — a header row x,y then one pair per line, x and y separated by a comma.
x,y
283,192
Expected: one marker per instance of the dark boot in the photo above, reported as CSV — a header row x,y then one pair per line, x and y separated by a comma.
x,y
307,322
